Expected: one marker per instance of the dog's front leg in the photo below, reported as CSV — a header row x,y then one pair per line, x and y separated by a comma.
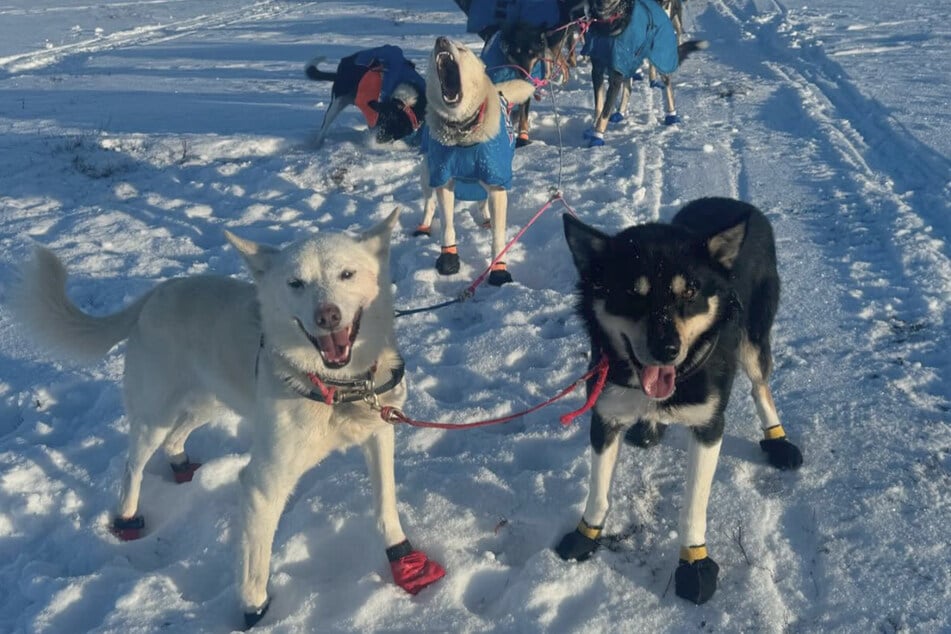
x,y
696,576
267,482
448,261
412,569
498,213
429,202
583,541
615,81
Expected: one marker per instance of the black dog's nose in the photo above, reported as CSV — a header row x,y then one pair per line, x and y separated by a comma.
x,y
664,350
328,316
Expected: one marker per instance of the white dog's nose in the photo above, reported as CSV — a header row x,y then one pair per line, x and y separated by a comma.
x,y
328,316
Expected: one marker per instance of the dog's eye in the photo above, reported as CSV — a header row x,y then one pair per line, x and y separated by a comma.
x,y
689,293
295,283
347,274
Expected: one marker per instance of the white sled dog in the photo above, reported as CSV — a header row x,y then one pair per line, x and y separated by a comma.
x,y
306,353
468,146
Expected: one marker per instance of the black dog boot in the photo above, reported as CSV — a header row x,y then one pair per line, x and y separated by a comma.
x,y
448,261
644,435
580,543
499,275
251,618
522,139
696,576
421,230
781,453
128,529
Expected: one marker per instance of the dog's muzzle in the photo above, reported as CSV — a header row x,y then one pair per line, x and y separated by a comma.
x,y
335,347
447,70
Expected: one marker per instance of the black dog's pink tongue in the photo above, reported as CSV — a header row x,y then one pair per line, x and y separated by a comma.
x,y
335,346
657,381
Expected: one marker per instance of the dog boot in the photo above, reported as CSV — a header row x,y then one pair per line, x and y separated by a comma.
x,y
781,453
251,618
617,117
128,529
499,275
596,139
421,230
671,118
580,543
657,83
522,139
412,569
644,435
696,576
448,261
184,471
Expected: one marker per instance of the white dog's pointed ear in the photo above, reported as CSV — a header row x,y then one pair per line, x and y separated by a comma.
x,y
725,246
377,237
257,256
587,244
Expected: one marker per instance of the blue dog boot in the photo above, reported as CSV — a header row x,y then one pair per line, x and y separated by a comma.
x,y
671,118
596,140
657,83
251,618
588,134
696,577
617,117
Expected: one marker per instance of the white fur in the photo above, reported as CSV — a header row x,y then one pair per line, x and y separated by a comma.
x,y
195,342
477,88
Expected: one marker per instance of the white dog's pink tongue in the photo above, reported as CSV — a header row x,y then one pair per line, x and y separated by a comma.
x,y
335,346
658,380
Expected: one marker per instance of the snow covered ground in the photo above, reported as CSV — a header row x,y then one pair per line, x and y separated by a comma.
x,y
133,132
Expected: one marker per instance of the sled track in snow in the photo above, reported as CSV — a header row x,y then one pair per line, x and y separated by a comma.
x,y
138,36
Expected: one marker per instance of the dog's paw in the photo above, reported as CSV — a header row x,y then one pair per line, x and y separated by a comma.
x,y
522,140
412,569
576,546
671,118
185,471
447,263
781,453
128,529
696,581
617,117
657,83
498,277
595,142
421,230
251,618
644,435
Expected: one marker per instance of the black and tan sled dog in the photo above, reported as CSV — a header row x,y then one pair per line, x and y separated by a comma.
x,y
675,308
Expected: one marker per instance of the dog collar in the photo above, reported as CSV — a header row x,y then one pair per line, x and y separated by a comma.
x,y
697,360
466,127
335,391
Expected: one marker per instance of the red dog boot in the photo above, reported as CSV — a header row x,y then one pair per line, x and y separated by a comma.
x,y
412,569
184,471
128,529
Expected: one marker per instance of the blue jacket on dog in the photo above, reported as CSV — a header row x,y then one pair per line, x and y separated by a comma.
x,y
396,68
489,162
487,13
650,34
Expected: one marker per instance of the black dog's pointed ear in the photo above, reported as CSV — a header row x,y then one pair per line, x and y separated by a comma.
x,y
587,244
374,104
725,246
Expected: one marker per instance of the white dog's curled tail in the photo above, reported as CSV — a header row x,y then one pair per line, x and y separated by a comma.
x,y
39,302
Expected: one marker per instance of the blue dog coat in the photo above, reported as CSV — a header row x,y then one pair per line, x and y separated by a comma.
x,y
486,13
489,162
650,34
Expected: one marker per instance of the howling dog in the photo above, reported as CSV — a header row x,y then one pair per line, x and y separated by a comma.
x,y
675,308
623,34
468,147
383,84
306,353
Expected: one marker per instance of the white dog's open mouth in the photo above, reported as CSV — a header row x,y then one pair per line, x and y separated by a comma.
x,y
335,347
447,69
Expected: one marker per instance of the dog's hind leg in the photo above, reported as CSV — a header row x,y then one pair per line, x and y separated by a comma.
x,y
337,104
756,359
448,261
144,440
184,469
498,212
696,575
523,110
412,569
583,541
